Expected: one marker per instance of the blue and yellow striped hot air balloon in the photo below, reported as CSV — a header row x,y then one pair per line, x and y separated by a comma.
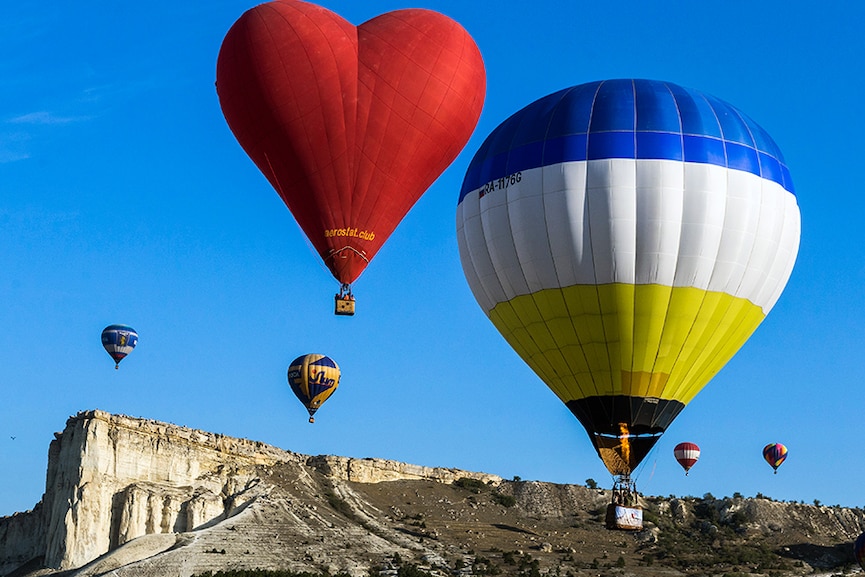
x,y
626,237
313,378
118,341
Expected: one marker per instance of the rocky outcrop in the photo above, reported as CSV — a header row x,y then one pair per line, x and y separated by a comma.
x,y
131,497
380,470
768,517
114,478
22,538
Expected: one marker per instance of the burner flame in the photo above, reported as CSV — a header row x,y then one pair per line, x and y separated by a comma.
x,y
625,445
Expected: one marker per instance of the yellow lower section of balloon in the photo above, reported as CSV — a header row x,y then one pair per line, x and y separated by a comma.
x,y
623,339
320,398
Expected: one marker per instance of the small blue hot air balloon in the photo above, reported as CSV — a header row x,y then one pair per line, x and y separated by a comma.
x,y
119,340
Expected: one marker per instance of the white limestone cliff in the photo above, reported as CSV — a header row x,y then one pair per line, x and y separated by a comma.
x,y
379,470
114,478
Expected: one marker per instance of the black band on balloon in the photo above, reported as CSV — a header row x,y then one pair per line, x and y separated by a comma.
x,y
642,415
624,429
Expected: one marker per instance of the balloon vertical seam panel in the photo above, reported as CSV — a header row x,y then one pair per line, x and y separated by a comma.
x,y
441,90
511,279
667,248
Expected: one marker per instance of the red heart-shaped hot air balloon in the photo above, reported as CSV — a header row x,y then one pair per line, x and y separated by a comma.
x,y
350,124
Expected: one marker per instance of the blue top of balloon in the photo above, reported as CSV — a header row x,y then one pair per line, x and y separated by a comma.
x,y
627,118
119,328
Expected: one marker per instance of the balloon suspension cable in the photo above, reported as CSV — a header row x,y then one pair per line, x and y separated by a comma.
x,y
345,292
625,491
624,479
625,482
360,253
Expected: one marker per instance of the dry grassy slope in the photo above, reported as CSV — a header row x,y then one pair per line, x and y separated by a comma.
x,y
306,520
560,527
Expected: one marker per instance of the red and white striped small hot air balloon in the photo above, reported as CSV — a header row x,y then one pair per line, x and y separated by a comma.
x,y
686,454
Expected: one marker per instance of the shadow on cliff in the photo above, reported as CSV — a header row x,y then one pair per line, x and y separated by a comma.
x,y
820,556
35,565
227,515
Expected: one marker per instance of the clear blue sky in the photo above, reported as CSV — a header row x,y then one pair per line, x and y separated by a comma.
x,y
124,198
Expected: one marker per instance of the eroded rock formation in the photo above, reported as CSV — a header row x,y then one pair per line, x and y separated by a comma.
x,y
113,478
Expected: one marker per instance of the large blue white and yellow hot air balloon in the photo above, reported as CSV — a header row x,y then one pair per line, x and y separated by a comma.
x,y
626,237
859,550
118,341
313,378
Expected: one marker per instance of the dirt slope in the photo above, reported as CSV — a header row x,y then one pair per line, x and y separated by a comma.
x,y
307,520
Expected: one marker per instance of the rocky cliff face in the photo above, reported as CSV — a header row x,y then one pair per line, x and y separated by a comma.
x,y
113,478
130,497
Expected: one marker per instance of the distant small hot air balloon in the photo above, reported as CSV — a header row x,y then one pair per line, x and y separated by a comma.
x,y
775,454
313,378
119,340
686,454
859,550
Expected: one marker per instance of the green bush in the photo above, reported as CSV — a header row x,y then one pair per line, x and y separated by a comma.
x,y
484,566
412,570
264,573
473,485
503,500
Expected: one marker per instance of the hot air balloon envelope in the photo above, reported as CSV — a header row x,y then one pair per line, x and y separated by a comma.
x,y
626,237
687,455
350,124
775,454
118,341
313,378
859,550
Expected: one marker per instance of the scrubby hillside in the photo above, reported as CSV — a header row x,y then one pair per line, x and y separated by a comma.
x,y
239,505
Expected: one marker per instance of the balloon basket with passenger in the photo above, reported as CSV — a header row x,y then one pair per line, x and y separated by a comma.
x,y
624,511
